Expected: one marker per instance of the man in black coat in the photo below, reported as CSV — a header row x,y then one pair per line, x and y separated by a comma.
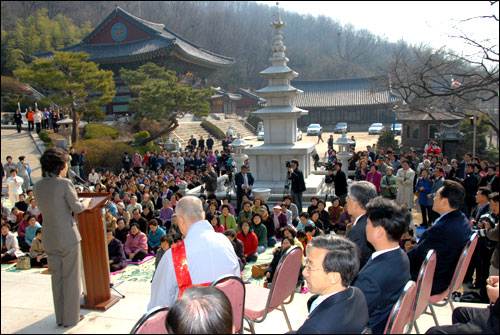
x,y
298,184
447,236
18,120
210,179
336,307
340,181
470,183
244,182
210,143
360,193
387,271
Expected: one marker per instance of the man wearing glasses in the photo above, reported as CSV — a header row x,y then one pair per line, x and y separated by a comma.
x,y
335,308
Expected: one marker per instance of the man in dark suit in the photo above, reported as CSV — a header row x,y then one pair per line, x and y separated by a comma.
x,y
463,165
469,183
383,278
447,236
244,182
298,184
340,182
360,193
336,307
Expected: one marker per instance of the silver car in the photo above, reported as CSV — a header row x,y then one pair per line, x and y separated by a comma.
x,y
376,129
313,129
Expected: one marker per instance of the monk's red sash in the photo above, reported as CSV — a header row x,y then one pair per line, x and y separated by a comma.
x,y
181,268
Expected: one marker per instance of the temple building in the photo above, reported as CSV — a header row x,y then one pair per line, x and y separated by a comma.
x,y
123,40
358,101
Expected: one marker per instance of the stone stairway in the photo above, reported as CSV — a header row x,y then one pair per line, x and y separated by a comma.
x,y
238,125
188,127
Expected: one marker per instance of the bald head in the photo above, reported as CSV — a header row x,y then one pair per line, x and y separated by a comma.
x,y
190,209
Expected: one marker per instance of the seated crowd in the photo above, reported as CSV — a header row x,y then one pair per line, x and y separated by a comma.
x,y
356,279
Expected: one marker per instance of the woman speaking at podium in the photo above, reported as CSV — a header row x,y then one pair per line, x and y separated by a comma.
x,y
57,199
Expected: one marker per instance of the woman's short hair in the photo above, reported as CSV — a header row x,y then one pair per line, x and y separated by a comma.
x,y
38,231
230,232
53,160
200,310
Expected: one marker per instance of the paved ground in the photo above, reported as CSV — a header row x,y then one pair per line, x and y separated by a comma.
x,y
15,145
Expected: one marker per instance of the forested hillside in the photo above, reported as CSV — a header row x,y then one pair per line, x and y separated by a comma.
x,y
318,48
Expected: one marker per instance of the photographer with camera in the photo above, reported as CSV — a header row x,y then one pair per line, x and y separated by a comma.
x,y
244,182
297,182
490,230
209,177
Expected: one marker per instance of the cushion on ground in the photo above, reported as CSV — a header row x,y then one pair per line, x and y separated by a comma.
x,y
144,260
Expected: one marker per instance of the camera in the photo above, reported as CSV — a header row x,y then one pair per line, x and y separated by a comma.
x,y
288,164
329,166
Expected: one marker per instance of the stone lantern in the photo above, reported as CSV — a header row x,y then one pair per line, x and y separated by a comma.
x,y
239,157
343,154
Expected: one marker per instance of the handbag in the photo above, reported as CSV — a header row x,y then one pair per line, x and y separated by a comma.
x,y
259,270
23,263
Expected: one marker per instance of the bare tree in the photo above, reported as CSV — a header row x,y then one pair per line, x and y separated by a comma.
x,y
429,80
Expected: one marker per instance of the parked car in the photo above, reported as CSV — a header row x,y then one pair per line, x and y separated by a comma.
x,y
299,135
260,135
376,129
398,129
339,127
313,129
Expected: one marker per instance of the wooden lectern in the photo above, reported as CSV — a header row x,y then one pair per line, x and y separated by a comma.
x,y
94,254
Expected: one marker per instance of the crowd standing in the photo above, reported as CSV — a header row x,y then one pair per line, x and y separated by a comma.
x,y
149,214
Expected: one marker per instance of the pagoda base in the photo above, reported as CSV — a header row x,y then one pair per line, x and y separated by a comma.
x,y
268,163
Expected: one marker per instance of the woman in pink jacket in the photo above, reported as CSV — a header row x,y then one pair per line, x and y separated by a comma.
x,y
374,177
136,246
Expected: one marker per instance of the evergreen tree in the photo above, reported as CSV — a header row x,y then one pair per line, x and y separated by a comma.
x,y
162,98
67,79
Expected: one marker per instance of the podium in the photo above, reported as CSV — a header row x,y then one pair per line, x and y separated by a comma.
x,y
95,254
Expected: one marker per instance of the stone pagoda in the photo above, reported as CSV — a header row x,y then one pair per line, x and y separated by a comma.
x,y
267,162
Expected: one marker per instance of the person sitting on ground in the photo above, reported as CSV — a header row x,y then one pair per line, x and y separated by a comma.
x,y
22,205
260,231
166,214
334,211
227,219
286,243
31,229
201,310
110,220
122,230
10,248
336,307
304,221
174,229
215,222
227,201
238,247
134,205
387,271
447,236
269,224
313,231
155,233
250,241
303,239
38,257
165,244
314,205
147,213
136,246
471,320
139,220
21,232
245,214
116,253
15,217
316,221
279,219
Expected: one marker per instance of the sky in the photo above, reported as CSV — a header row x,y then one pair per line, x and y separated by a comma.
x,y
429,22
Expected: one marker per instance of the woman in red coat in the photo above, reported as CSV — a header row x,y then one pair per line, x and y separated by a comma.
x,y
250,241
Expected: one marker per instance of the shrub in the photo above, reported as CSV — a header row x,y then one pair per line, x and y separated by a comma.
x,y
97,130
103,154
386,139
140,136
47,140
213,129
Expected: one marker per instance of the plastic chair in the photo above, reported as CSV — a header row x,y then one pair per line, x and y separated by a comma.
x,y
456,280
153,322
424,287
260,301
402,311
234,288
